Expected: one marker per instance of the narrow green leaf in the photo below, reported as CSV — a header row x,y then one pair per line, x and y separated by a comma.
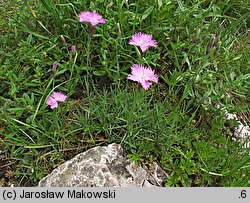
x,y
147,13
100,73
159,4
181,6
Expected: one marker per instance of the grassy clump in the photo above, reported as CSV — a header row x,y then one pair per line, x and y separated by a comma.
x,y
202,61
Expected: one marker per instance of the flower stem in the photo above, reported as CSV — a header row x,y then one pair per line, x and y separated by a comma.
x,y
89,58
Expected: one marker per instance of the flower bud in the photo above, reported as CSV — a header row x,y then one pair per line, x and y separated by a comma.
x,y
55,64
64,41
118,30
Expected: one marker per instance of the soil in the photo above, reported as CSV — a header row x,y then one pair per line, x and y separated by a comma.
x,y
7,167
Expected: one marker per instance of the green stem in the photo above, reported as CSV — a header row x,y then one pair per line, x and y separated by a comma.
x,y
88,52
136,12
88,76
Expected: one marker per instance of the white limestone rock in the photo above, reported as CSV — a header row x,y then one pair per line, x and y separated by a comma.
x,y
103,167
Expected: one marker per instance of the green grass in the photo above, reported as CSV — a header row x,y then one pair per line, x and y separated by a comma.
x,y
176,123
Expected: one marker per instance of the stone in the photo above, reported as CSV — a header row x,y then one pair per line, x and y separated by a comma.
x,y
241,132
103,167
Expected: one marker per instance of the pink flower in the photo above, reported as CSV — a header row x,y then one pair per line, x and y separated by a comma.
x,y
73,49
91,17
143,75
144,41
55,64
55,98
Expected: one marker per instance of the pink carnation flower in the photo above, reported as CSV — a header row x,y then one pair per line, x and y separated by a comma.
x,y
55,98
143,75
91,17
144,41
